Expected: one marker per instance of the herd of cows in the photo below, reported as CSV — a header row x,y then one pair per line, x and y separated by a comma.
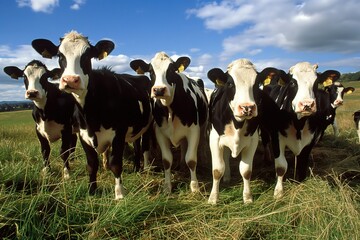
x,y
107,110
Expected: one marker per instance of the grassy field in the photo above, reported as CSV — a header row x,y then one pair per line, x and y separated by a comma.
x,y
33,206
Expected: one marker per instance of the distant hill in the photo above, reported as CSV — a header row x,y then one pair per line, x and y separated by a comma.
x,y
6,106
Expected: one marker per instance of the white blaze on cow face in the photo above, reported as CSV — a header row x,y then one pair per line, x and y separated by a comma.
x,y
34,90
72,51
244,74
304,103
339,95
162,89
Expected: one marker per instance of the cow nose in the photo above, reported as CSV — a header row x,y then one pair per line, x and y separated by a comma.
x,y
247,109
158,91
31,94
307,105
338,102
70,81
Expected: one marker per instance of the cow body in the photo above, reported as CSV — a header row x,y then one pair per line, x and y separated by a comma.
x,y
289,118
180,111
234,121
111,108
356,121
53,111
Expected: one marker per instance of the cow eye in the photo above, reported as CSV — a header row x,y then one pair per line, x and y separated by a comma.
x,y
62,61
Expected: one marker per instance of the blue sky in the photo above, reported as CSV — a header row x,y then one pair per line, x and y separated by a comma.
x,y
276,33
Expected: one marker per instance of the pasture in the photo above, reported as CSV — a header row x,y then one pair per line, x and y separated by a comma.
x,y
32,206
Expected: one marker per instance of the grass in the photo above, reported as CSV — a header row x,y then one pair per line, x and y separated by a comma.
x,y
33,206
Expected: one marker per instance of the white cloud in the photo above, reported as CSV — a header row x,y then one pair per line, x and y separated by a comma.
x,y
77,4
290,25
46,6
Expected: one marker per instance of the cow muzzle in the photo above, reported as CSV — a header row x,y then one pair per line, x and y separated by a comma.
x,y
32,94
246,111
158,92
306,107
70,82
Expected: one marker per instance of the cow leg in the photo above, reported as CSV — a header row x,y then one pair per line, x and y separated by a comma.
x,y
167,158
73,145
45,152
281,166
335,128
105,158
92,165
245,167
227,174
137,158
303,160
116,164
145,147
191,160
66,141
218,166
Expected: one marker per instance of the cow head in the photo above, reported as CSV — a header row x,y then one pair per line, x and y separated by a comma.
x,y
336,93
165,75
75,53
241,87
35,76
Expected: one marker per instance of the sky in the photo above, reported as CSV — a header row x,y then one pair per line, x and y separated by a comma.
x,y
270,33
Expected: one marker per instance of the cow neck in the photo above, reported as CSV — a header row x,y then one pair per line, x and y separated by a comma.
x,y
40,104
80,98
299,125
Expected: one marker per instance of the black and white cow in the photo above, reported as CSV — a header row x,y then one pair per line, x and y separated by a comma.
x,y
53,110
357,121
233,111
111,108
328,100
180,110
289,118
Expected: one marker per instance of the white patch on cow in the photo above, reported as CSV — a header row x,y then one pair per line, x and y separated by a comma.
x,y
104,138
34,74
50,130
358,130
73,46
339,100
119,189
305,75
244,74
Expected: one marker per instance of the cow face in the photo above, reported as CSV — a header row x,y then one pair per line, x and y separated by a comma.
x,y
35,77
336,93
238,83
75,54
164,73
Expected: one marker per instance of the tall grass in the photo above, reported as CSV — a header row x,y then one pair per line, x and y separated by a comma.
x,y
34,206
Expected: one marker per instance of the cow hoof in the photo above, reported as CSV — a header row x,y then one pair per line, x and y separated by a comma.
x,y
194,186
248,199
66,174
278,194
213,199
45,171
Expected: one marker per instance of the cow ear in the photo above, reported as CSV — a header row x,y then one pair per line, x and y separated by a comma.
x,y
349,90
55,73
45,48
104,48
139,66
217,76
13,72
328,77
182,63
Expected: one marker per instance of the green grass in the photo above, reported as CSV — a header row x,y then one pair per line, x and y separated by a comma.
x,y
33,206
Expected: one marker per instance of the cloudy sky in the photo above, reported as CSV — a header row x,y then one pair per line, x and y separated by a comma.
x,y
277,33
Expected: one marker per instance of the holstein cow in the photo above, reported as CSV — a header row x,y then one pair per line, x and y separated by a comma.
x,y
111,108
53,110
180,110
233,111
328,100
357,120
290,118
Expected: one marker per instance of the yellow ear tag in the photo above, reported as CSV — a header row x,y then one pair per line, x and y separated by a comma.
x,y
103,55
327,82
219,82
139,70
349,92
281,82
181,68
267,81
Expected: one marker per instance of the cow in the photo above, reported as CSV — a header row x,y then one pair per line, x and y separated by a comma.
x,y
112,109
53,110
289,118
356,121
233,115
180,110
328,100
